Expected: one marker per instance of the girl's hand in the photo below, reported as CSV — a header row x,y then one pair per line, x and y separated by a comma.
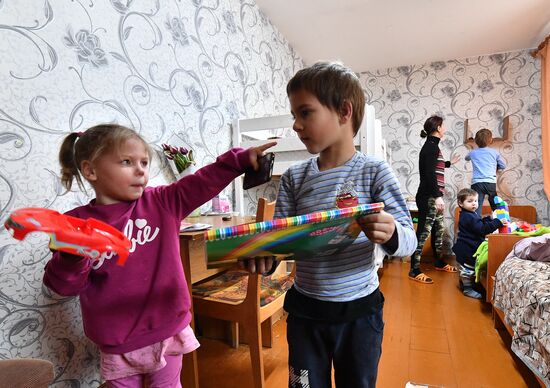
x,y
256,153
455,159
378,227
439,204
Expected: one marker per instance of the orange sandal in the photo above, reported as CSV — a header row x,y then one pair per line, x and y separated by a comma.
x,y
447,268
422,278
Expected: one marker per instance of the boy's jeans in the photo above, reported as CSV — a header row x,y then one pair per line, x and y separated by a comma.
x,y
354,347
483,188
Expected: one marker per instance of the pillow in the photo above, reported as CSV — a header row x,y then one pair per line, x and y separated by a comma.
x,y
533,248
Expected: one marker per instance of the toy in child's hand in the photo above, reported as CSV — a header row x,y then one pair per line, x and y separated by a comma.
x,y
502,213
89,238
262,175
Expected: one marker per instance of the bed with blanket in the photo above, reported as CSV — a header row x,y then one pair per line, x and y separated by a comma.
x,y
521,299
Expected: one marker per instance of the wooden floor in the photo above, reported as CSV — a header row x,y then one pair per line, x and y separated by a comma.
x,y
446,340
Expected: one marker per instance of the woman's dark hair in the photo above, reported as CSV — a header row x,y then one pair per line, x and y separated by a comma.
x,y
431,125
90,145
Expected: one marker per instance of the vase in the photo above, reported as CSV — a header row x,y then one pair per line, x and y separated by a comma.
x,y
188,171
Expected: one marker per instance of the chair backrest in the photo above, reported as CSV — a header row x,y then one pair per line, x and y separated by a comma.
x,y
265,210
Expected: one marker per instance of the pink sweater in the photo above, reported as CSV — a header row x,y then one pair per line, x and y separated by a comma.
x,y
146,300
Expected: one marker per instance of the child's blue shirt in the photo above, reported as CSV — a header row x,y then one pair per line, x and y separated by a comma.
x,y
485,162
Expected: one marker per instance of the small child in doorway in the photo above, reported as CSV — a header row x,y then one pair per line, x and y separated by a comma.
x,y
138,314
472,230
485,163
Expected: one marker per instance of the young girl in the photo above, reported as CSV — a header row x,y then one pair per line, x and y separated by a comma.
x,y
429,198
485,163
471,233
137,314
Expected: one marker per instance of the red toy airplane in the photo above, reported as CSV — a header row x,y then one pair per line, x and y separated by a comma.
x,y
89,238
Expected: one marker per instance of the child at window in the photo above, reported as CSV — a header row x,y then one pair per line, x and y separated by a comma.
x,y
137,314
485,163
471,233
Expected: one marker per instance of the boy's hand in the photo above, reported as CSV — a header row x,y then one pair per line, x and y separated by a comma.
x,y
378,227
504,222
257,264
256,153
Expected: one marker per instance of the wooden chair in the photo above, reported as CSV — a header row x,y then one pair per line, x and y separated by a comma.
x,y
249,310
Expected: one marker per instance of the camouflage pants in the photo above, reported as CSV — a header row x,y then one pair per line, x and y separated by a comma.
x,y
429,222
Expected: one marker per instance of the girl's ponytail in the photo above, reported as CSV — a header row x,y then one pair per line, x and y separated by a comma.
x,y
91,145
69,167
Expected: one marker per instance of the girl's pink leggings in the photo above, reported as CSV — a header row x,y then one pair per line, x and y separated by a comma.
x,y
167,377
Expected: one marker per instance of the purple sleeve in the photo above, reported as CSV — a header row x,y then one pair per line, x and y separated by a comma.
x,y
190,192
67,274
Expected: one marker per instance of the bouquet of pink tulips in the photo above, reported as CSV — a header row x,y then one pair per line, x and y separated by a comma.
x,y
181,156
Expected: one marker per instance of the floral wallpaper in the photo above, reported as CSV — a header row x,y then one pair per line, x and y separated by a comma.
x,y
482,89
178,71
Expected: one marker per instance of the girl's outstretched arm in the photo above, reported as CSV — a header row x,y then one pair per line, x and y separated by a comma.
x,y
190,192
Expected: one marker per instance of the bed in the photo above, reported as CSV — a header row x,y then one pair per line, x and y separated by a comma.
x,y
519,291
289,149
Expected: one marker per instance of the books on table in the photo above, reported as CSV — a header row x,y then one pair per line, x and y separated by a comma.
x,y
305,236
193,227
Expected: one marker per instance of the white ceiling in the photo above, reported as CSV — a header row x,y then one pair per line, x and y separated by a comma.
x,y
377,34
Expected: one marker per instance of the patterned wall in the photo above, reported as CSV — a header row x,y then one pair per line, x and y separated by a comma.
x,y
176,71
483,90
179,73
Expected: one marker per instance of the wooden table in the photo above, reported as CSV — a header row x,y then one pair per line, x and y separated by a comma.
x,y
193,257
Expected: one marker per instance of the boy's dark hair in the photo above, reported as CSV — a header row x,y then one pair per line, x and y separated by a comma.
x,y
465,193
332,84
483,137
430,125
90,145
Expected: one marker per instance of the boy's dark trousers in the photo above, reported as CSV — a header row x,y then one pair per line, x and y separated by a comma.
x,y
354,347
483,188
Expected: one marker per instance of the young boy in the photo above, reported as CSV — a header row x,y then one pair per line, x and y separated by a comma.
x,y
335,305
485,163
471,233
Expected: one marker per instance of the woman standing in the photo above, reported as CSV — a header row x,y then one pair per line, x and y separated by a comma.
x,y
429,199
